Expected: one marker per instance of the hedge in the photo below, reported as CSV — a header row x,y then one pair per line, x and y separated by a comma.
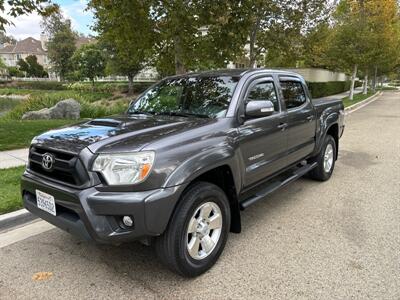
x,y
324,89
34,85
108,87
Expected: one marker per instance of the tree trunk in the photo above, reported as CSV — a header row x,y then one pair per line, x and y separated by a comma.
x,y
179,65
353,81
374,80
365,88
252,42
130,84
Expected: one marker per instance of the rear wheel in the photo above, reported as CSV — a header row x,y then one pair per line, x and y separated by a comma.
x,y
197,232
325,160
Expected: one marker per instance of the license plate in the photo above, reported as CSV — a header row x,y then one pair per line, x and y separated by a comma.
x,y
46,202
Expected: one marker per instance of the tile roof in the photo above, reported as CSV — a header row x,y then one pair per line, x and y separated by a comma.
x,y
28,45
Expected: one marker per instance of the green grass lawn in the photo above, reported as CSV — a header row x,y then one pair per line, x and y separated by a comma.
x,y
357,98
16,134
10,197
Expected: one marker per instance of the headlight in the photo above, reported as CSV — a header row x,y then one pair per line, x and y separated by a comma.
x,y
124,168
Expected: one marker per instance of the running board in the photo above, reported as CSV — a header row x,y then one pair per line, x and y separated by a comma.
x,y
273,186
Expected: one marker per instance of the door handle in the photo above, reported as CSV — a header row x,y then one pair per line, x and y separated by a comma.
x,y
310,118
282,126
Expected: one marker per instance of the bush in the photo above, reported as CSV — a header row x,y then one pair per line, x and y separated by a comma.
x,y
111,87
39,85
324,89
15,72
88,109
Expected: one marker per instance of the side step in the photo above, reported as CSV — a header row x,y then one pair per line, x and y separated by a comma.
x,y
273,186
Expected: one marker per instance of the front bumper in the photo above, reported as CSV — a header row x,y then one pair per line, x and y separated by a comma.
x,y
96,215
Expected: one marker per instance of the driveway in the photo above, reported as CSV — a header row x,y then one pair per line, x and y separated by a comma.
x,y
334,240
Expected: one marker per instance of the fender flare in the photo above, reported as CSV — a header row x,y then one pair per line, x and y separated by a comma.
x,y
203,162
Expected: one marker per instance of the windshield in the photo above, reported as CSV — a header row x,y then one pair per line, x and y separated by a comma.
x,y
188,96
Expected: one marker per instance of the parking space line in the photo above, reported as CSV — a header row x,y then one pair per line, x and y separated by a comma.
x,y
22,233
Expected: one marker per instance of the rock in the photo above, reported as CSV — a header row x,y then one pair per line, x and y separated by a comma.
x,y
65,109
43,114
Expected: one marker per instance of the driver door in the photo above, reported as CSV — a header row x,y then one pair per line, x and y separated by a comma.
x,y
263,140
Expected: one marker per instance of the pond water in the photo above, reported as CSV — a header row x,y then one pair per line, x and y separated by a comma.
x,y
7,104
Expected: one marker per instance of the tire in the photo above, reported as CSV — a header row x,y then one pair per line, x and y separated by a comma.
x,y
322,172
172,248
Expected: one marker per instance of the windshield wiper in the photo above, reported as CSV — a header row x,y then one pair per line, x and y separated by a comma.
x,y
181,114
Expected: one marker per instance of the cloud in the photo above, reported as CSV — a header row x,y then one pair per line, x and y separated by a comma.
x,y
25,26
29,25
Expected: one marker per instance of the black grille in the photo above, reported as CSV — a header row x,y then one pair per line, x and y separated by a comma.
x,y
67,168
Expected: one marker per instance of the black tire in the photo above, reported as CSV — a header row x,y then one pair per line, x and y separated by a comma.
x,y
171,247
319,173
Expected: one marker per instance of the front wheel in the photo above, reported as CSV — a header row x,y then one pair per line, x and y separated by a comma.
x,y
197,232
325,160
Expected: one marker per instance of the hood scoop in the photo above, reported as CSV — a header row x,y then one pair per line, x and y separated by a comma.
x,y
105,122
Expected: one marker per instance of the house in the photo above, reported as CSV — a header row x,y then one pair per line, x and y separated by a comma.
x,y
10,54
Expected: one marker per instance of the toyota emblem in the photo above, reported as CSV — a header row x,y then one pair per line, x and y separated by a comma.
x,y
48,161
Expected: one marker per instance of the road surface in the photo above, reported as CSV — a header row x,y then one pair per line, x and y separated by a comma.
x,y
334,240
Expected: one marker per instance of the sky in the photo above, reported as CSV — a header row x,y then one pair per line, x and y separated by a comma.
x,y
29,25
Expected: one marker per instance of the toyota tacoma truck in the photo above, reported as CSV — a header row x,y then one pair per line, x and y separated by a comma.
x,y
179,167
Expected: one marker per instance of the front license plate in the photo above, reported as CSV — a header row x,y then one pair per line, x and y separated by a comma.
x,y
46,202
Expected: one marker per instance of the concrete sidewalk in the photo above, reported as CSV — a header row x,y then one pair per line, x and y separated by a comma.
x,y
357,90
13,158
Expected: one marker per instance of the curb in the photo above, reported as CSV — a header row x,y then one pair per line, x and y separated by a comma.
x,y
358,105
15,218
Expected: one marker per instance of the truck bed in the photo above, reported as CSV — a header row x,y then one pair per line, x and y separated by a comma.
x,y
321,104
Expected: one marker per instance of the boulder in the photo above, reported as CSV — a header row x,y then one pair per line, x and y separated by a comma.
x,y
65,109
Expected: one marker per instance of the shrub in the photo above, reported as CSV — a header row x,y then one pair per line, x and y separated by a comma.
x,y
88,109
111,87
39,85
323,89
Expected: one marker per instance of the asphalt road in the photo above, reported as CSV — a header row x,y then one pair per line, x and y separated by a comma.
x,y
334,240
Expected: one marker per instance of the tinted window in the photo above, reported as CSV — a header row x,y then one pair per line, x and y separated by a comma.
x,y
207,96
264,91
293,94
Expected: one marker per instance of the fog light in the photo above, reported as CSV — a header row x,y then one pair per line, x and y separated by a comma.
x,y
128,221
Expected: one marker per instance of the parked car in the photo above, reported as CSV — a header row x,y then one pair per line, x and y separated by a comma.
x,y
180,165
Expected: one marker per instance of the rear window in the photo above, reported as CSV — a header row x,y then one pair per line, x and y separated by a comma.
x,y
293,94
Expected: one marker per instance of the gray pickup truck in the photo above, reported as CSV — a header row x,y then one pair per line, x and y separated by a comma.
x,y
176,170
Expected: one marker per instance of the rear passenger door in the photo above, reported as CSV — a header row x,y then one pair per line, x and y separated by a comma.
x,y
262,140
301,119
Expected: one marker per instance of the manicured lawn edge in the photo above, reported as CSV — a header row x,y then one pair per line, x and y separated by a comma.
x,y
361,101
10,197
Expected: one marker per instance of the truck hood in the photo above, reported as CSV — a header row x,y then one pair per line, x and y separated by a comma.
x,y
121,133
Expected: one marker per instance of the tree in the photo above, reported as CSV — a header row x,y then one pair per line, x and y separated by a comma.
x,y
61,45
35,69
316,47
18,7
15,72
2,64
127,32
275,27
90,61
196,35
23,66
7,39
31,67
384,26
365,35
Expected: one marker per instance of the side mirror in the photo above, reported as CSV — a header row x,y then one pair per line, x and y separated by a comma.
x,y
259,108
